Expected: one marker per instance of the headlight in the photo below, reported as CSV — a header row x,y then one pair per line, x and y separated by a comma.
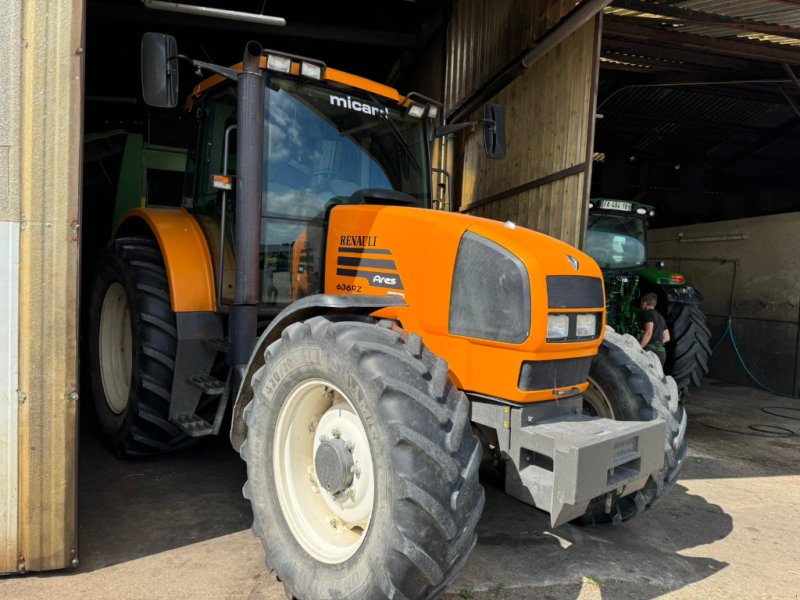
x,y
572,327
491,296
586,326
557,327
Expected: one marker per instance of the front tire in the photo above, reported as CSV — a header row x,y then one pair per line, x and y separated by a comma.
x,y
627,383
391,509
132,345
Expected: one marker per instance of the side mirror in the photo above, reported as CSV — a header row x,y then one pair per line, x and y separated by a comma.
x,y
494,131
159,70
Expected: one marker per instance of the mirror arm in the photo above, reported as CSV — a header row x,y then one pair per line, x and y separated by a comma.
x,y
224,71
448,129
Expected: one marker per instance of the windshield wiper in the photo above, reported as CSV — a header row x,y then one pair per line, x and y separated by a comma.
x,y
398,136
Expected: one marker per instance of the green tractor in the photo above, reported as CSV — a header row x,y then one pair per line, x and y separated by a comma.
x,y
617,240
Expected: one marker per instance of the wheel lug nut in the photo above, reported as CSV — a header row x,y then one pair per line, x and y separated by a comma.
x,y
355,471
349,446
334,522
336,433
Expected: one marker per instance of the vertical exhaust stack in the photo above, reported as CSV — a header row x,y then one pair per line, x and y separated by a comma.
x,y
249,155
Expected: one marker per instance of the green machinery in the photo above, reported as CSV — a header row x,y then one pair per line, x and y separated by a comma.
x,y
617,240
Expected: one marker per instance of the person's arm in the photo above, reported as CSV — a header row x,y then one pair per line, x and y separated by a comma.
x,y
666,335
648,333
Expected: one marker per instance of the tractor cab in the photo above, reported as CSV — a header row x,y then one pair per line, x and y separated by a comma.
x,y
617,234
617,239
322,142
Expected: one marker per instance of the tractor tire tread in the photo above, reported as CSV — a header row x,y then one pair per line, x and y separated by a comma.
x,y
440,456
656,397
689,352
146,430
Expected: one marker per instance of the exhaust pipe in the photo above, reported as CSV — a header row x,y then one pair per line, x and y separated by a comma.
x,y
249,158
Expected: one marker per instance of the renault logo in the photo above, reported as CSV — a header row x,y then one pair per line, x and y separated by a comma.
x,y
574,262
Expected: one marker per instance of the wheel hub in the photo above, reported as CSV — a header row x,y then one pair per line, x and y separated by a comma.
x,y
324,473
115,346
334,465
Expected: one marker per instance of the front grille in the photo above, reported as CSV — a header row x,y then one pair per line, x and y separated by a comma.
x,y
551,374
574,291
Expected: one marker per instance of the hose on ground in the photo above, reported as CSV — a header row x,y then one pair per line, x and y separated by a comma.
x,y
756,429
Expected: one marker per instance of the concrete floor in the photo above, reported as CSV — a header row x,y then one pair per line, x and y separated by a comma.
x,y
177,527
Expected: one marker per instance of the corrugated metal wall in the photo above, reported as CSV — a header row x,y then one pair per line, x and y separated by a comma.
x,y
542,184
39,186
483,37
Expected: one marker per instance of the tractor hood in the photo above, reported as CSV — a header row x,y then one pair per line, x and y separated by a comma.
x,y
470,284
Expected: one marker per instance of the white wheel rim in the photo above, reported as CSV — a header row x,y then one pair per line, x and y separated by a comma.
x,y
329,527
116,356
597,399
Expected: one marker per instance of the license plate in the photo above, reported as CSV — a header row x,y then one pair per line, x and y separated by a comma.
x,y
616,205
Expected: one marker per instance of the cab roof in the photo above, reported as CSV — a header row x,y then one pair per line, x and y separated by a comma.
x,y
328,74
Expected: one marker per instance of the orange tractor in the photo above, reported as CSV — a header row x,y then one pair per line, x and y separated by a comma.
x,y
373,349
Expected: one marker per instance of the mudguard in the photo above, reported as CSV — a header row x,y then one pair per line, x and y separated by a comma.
x,y
301,310
185,251
661,282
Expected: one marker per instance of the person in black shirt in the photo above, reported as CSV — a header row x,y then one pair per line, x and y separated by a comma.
x,y
656,333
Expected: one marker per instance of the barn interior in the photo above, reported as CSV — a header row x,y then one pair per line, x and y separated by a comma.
x,y
698,115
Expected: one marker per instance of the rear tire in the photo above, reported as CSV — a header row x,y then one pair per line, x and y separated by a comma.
x,y
426,498
627,383
689,350
132,344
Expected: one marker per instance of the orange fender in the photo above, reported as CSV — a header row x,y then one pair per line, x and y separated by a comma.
x,y
185,252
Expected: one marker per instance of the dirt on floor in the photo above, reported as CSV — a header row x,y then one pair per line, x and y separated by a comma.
x,y
177,527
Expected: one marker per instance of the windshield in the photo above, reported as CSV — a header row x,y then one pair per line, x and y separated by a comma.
x,y
323,145
616,242
320,146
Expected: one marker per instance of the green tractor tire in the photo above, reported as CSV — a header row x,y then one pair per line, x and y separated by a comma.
x,y
689,350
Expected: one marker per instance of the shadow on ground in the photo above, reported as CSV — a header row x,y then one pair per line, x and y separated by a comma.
x,y
518,555
730,430
134,508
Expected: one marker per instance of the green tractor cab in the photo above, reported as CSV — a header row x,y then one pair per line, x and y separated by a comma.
x,y
617,240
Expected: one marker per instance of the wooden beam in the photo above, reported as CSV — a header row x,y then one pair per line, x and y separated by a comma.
x,y
738,49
